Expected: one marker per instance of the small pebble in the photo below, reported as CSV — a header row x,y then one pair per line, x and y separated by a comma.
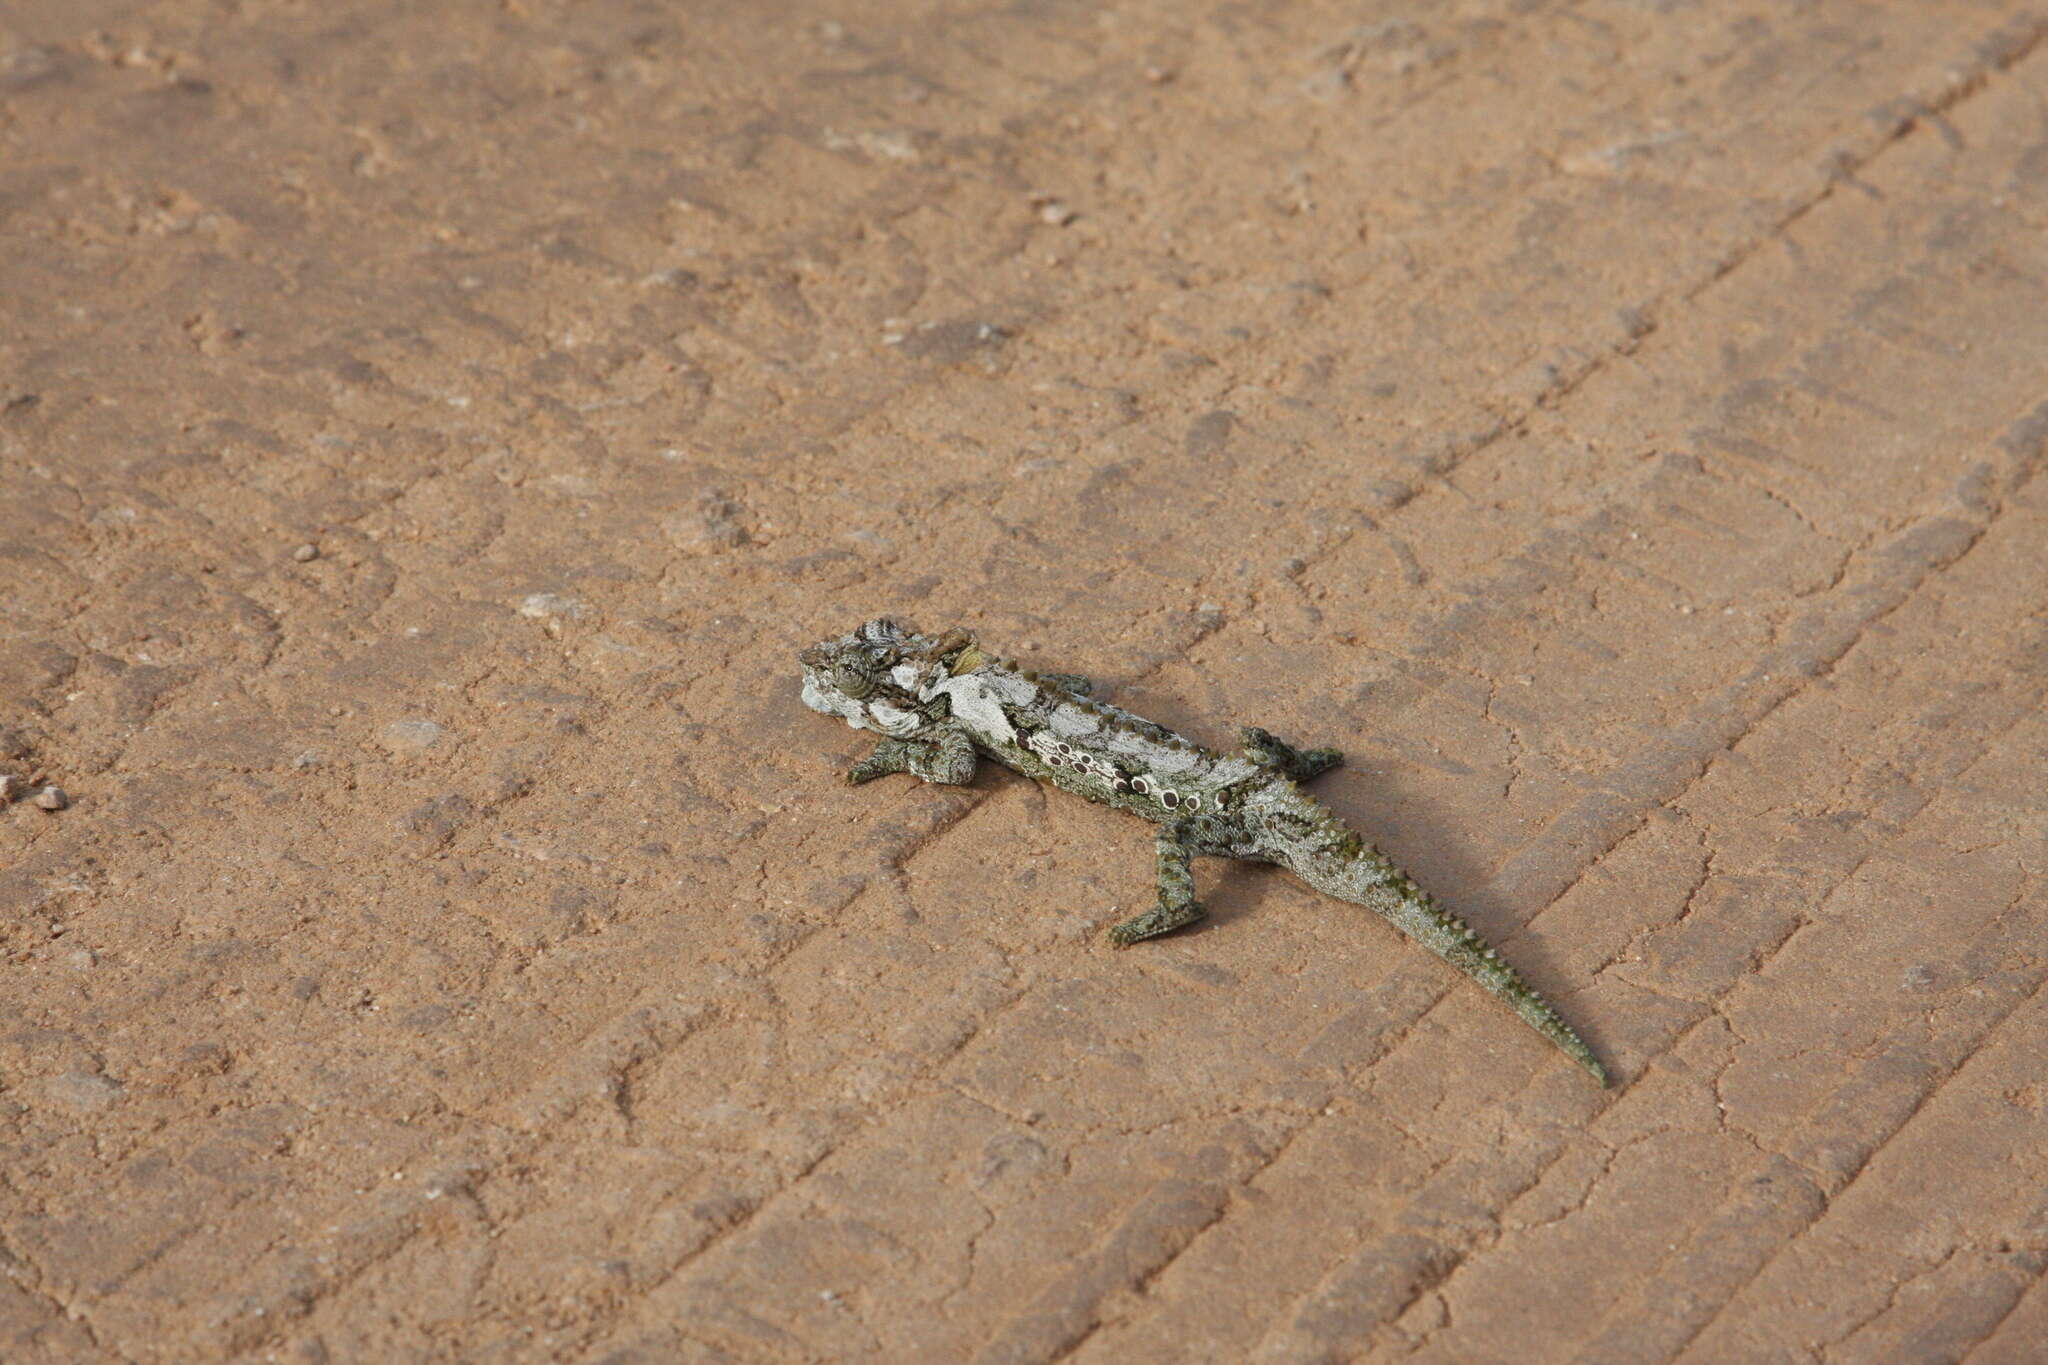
x,y
542,605
82,1091
52,798
1055,213
306,553
411,736
11,788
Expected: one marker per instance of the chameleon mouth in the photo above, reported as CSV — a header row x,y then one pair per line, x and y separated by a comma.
x,y
813,657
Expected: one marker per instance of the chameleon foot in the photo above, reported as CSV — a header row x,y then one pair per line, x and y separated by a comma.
x,y
946,757
1158,920
876,764
1265,749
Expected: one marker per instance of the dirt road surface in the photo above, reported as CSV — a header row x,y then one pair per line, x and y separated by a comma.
x,y
427,432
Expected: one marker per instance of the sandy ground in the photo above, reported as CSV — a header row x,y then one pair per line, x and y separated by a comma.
x,y
428,431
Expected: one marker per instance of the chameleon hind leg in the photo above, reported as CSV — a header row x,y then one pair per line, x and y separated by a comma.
x,y
1262,748
947,757
1177,904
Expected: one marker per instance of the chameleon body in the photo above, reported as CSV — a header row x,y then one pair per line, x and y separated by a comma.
x,y
940,703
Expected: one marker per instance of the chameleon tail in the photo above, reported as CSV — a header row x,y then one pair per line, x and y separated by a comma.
x,y
1351,870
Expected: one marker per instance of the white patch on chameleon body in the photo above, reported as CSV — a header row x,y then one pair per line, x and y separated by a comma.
x,y
1231,769
978,703
1154,755
905,676
1069,721
894,720
831,703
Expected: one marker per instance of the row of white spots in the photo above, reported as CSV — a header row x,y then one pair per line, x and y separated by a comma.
x,y
1058,753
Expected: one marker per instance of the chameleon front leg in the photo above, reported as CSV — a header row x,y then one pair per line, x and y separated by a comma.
x,y
947,756
1262,748
1177,904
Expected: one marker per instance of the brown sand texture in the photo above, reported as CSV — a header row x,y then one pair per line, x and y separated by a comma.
x,y
429,430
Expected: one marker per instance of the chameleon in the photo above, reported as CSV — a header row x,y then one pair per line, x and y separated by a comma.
x,y
940,703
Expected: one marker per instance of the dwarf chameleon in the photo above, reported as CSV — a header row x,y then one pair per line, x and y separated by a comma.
x,y
940,702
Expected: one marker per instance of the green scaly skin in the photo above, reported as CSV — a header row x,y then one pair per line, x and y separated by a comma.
x,y
940,703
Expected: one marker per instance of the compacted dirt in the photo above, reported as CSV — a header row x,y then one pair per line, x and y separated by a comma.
x,y
427,433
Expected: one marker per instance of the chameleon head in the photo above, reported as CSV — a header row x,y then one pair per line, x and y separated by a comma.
x,y
873,678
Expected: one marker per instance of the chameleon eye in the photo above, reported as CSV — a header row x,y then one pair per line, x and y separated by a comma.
x,y
853,680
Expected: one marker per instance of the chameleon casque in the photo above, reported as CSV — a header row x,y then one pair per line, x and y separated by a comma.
x,y
940,702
